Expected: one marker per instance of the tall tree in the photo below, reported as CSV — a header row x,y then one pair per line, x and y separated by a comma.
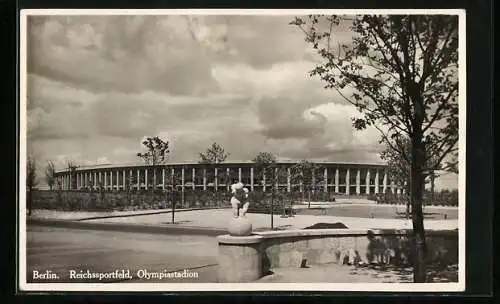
x,y
156,154
214,154
72,174
31,181
157,151
174,182
401,73
266,166
307,174
400,166
50,174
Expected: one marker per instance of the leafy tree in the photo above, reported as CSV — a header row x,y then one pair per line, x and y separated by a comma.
x,y
399,168
157,152
214,154
401,73
50,174
309,175
265,165
174,182
31,181
72,173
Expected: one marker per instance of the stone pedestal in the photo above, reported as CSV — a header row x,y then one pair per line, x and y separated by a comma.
x,y
239,226
240,258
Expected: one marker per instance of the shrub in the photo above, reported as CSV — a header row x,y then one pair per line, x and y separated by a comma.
x,y
337,225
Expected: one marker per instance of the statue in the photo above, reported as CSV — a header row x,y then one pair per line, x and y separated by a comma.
x,y
239,225
239,200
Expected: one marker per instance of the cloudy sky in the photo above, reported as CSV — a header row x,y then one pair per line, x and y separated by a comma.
x,y
98,84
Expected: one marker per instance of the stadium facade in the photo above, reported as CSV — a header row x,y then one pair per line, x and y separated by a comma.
x,y
332,177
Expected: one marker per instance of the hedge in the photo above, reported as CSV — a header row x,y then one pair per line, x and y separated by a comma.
x,y
86,200
441,198
123,200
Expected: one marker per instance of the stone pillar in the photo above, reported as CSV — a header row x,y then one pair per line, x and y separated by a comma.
x,y
95,180
251,178
106,180
154,178
368,181
124,181
276,182
228,179
193,177
117,179
172,177
337,176
384,183
392,187
215,180
86,179
358,182
264,181
130,178
288,180
301,183
138,179
182,186
204,178
240,259
239,174
377,177
313,178
348,182
182,178
111,180
163,178
325,175
100,177
146,178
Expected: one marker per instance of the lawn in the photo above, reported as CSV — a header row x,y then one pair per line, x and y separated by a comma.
x,y
375,211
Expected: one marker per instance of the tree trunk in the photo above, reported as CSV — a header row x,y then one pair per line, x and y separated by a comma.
x,y
417,186
173,206
272,211
432,187
30,200
408,199
309,199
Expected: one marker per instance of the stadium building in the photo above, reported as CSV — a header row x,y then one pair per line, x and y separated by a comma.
x,y
331,177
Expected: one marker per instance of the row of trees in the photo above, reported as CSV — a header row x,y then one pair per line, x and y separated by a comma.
x,y
304,172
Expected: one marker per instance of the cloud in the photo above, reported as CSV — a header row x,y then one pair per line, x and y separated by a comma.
x,y
123,53
98,84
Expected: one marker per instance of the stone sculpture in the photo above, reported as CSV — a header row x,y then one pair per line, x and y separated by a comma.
x,y
239,225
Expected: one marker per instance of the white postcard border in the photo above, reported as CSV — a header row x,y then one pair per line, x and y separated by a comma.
x,y
218,287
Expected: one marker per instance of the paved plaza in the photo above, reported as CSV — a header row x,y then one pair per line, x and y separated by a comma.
x,y
217,218
61,250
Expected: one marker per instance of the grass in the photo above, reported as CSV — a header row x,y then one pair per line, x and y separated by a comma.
x,y
374,211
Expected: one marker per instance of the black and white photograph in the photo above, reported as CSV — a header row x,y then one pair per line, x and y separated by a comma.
x,y
242,150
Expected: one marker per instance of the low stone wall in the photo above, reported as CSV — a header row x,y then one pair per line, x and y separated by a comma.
x,y
283,248
297,248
